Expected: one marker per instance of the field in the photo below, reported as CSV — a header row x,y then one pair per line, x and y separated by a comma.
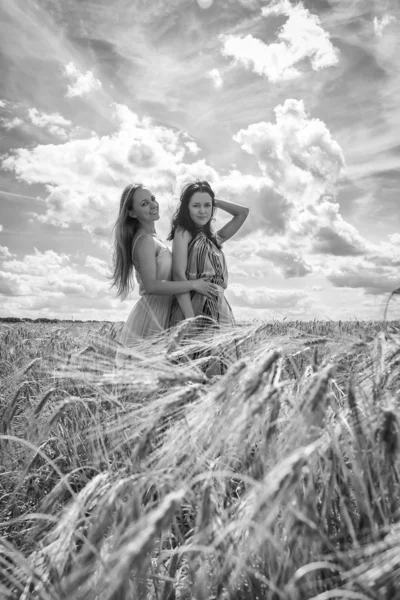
x,y
141,478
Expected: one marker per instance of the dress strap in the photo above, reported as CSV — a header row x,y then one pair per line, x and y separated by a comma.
x,y
134,243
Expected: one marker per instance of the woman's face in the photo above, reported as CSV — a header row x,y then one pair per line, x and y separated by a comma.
x,y
144,206
200,208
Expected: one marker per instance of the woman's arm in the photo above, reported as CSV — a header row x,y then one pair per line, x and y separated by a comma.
x,y
179,264
145,255
239,214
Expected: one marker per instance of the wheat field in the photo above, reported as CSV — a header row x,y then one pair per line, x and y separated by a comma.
x,y
133,475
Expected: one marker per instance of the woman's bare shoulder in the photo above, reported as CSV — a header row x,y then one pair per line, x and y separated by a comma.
x,y
183,234
143,242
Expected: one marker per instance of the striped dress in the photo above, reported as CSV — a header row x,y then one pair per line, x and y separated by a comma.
x,y
206,260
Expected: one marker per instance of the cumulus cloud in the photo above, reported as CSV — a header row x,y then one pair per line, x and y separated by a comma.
x,y
10,284
301,165
297,156
244,250
375,272
301,37
327,231
381,24
394,238
289,263
192,147
98,265
329,241
297,153
236,271
54,123
53,285
386,253
9,124
84,177
49,271
298,161
4,251
263,297
247,269
373,280
260,256
270,211
81,83
216,78
39,264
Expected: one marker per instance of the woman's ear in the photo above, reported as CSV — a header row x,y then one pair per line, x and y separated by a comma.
x,y
131,213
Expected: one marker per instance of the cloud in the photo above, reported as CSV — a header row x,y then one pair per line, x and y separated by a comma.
x,y
10,284
39,264
236,271
298,161
376,272
386,254
264,297
205,3
300,37
192,147
301,165
54,285
9,124
244,250
270,211
84,177
98,265
289,263
248,270
374,280
329,241
327,231
381,24
297,153
54,123
394,238
82,83
53,278
216,78
4,251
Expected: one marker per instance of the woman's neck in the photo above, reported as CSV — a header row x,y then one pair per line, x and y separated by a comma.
x,y
150,229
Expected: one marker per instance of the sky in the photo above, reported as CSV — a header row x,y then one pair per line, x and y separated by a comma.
x,y
290,108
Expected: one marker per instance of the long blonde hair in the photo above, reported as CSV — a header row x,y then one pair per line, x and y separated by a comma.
x,y
124,230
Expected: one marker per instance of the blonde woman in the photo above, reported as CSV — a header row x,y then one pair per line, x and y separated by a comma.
x,y
137,248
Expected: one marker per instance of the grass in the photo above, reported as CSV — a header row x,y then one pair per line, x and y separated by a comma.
x,y
146,479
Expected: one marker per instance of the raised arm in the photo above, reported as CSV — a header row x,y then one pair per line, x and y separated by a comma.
x,y
145,255
239,214
179,264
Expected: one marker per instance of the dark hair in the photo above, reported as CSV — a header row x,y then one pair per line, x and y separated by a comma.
x,y
124,229
182,218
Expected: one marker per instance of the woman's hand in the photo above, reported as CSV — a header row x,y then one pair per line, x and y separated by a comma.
x,y
205,287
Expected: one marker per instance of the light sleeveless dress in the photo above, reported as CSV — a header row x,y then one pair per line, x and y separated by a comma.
x,y
151,313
